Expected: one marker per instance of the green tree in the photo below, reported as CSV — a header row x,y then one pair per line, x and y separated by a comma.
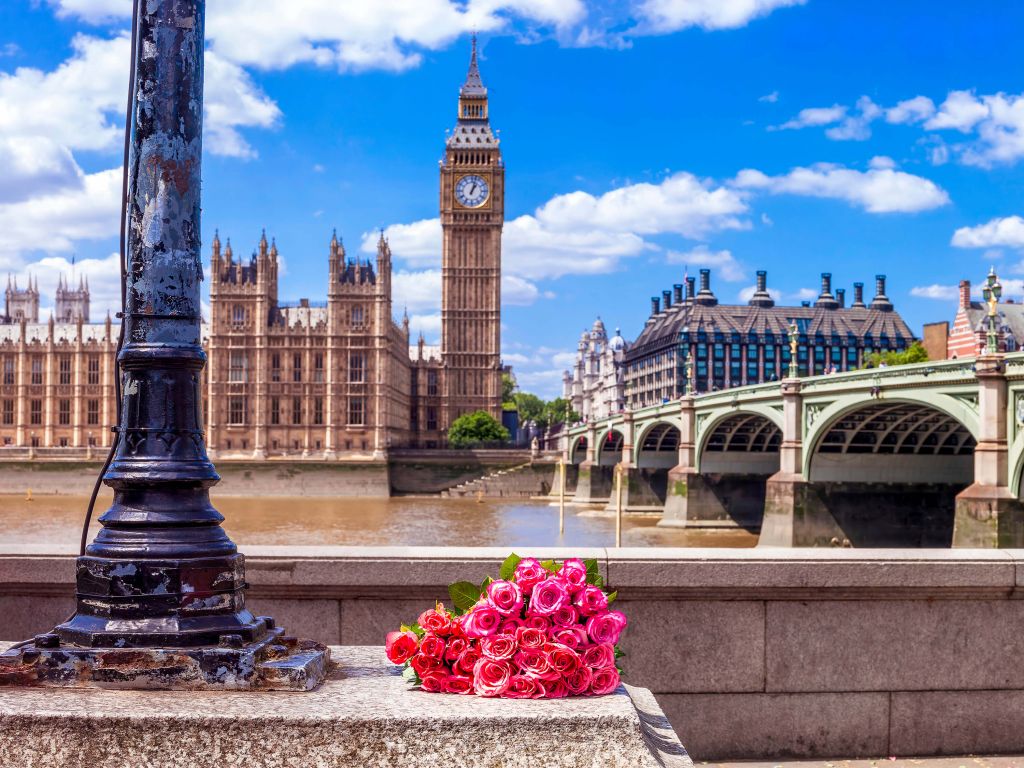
x,y
476,429
531,408
559,411
915,353
508,392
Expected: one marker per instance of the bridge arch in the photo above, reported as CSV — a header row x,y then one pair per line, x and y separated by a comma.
x,y
658,445
608,451
910,438
578,450
741,441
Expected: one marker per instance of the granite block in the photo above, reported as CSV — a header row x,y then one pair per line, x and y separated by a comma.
x,y
957,722
309,619
22,618
366,622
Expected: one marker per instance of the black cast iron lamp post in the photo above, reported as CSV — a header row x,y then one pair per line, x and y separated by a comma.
x,y
161,600
991,292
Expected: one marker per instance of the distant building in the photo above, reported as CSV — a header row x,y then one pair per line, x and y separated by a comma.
x,y
596,385
729,345
969,334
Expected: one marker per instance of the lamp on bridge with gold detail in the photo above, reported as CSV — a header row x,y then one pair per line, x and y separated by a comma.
x,y
991,292
794,343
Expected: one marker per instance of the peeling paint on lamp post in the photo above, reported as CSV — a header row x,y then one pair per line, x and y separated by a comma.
x,y
161,600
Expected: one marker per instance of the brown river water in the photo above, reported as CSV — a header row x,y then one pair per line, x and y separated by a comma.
x,y
54,524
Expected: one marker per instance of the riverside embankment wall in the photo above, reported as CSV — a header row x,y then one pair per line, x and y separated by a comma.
x,y
405,472
752,653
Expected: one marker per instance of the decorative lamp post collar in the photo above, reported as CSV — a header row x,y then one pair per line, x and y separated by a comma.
x,y
991,292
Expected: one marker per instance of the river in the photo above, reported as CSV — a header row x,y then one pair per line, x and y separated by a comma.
x,y
53,523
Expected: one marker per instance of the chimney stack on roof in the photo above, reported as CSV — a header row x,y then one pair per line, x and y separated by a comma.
x,y
965,294
761,297
858,296
655,305
691,288
825,299
667,298
677,290
841,297
704,295
881,301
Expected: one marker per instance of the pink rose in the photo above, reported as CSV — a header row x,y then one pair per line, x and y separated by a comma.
x,y
538,622
579,681
438,622
523,687
529,573
574,571
462,684
599,656
433,682
455,648
533,662
400,646
491,678
481,621
424,665
566,616
549,596
570,637
432,646
555,689
606,627
467,661
562,659
497,648
505,597
528,637
605,681
591,600
509,626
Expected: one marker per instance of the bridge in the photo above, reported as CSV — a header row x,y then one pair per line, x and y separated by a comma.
x,y
924,455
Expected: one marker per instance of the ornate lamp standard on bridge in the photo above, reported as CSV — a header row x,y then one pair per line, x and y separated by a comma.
x,y
161,589
794,344
991,292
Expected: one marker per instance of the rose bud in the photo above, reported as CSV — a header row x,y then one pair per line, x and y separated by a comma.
x,y
529,573
467,661
528,637
533,662
566,616
400,646
570,637
605,681
433,682
555,689
548,597
509,626
424,665
491,678
606,627
591,600
538,622
454,649
562,659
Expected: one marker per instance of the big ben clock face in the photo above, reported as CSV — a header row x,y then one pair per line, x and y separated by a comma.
x,y
472,191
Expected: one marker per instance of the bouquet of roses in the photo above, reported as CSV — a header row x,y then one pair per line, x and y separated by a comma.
x,y
542,630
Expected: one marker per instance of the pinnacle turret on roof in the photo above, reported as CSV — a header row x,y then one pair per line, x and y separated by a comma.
x,y
473,86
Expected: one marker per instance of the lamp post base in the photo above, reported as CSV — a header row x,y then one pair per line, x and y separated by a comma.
x,y
273,663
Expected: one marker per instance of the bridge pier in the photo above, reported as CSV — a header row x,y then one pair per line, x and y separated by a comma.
x,y
988,515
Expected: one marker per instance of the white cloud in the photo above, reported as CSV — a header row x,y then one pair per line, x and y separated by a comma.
x,y
10,49
1007,231
34,165
856,127
672,15
722,262
516,291
580,233
104,276
814,116
769,98
912,110
960,111
935,291
881,162
233,101
878,190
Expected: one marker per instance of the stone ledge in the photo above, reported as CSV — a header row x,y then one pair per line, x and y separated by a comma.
x,y
365,715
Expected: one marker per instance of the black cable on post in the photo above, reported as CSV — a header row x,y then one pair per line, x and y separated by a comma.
x,y
123,264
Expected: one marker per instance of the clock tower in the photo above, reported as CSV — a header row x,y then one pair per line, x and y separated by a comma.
x,y
472,215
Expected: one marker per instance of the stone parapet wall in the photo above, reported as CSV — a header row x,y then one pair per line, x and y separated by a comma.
x,y
751,653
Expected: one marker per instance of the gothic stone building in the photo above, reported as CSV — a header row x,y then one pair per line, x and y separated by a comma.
x,y
57,386
341,377
728,345
321,379
596,385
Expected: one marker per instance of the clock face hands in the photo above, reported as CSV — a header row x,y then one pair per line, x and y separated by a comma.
x,y
471,191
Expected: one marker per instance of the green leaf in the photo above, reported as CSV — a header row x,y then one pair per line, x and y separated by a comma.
x,y
410,676
486,582
611,597
550,566
508,568
599,580
417,630
464,595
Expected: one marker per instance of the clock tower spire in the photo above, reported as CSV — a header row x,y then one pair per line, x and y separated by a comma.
x,y
472,216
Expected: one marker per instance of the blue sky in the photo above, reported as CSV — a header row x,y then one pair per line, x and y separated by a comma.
x,y
641,138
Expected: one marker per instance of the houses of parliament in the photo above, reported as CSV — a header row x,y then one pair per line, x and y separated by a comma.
x,y
316,379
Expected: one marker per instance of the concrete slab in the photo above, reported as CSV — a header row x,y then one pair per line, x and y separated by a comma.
x,y
364,715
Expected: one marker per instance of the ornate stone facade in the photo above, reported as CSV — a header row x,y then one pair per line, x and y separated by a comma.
x,y
596,385
320,379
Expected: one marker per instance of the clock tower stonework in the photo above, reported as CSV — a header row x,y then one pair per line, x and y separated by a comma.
x,y
472,216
